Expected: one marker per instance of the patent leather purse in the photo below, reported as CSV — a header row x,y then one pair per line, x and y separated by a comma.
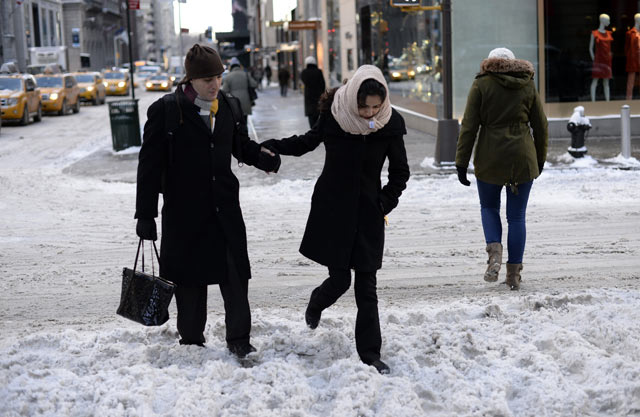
x,y
145,298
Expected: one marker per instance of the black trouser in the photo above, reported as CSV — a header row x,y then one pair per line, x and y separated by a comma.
x,y
368,338
313,118
192,309
283,90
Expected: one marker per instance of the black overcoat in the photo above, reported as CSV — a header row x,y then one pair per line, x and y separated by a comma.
x,y
201,215
345,228
314,86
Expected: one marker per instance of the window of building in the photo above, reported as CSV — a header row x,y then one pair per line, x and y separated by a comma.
x,y
592,51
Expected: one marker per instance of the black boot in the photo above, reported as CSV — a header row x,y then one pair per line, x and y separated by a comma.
x,y
312,318
241,349
381,367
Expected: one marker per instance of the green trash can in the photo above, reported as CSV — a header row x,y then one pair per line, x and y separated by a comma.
x,y
125,125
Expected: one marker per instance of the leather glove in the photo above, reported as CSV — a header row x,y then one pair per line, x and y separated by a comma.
x,y
540,167
146,229
268,161
462,175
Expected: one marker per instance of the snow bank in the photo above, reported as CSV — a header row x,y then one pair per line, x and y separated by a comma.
x,y
504,354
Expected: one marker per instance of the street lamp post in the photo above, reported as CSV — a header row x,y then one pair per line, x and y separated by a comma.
x,y
133,89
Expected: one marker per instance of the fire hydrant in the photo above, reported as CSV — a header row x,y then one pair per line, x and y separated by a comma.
x,y
578,126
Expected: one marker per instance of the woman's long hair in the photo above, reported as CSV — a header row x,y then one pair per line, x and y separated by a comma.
x,y
369,87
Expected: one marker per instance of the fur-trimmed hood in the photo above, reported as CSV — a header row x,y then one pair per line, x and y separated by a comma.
x,y
511,73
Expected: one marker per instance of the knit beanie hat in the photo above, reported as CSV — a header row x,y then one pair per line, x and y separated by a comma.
x,y
503,53
202,62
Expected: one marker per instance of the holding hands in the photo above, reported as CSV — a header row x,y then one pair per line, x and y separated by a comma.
x,y
268,161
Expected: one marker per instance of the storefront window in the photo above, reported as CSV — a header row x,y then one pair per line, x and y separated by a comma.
x,y
592,50
333,28
406,46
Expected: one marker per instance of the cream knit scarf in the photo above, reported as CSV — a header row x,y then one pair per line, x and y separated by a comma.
x,y
345,104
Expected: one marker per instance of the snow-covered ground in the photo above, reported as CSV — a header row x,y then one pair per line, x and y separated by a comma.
x,y
566,344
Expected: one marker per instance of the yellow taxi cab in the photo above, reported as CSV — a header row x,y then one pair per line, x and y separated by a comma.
x,y
59,93
91,87
20,98
158,82
116,83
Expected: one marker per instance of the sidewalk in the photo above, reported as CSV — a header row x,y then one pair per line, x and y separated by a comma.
x,y
278,117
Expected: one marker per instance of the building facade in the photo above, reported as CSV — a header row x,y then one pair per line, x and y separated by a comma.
x,y
406,43
29,24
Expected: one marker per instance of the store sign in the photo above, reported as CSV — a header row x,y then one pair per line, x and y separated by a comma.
x,y
405,3
75,37
134,4
302,25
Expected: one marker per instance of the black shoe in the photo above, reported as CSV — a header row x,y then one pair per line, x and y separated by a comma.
x,y
188,342
240,349
381,367
311,318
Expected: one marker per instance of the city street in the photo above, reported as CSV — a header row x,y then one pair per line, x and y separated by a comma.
x,y
565,344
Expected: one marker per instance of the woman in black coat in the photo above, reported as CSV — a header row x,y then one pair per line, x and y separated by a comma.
x,y
345,229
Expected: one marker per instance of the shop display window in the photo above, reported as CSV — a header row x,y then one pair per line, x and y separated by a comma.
x,y
592,50
406,46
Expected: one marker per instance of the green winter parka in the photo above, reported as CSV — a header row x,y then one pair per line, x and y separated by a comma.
x,y
504,104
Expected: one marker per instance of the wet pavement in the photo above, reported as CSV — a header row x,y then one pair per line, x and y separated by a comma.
x,y
278,117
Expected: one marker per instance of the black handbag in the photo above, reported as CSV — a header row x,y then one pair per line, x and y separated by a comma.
x,y
253,95
145,298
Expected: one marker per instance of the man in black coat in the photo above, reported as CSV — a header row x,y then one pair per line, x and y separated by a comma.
x,y
283,79
189,138
314,86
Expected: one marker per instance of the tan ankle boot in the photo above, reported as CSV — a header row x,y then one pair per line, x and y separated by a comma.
x,y
493,263
513,276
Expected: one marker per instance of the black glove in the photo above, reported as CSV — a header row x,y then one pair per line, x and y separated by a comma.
x,y
146,229
540,167
269,163
462,176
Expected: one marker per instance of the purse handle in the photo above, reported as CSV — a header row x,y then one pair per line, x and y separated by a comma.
x,y
141,245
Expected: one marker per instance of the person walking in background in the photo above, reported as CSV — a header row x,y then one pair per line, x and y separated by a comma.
x,y
345,229
504,103
189,138
283,79
256,74
267,73
237,83
314,87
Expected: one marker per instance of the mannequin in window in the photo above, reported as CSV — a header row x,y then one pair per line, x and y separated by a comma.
x,y
632,52
600,51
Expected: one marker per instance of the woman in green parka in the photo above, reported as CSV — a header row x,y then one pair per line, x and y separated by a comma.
x,y
504,104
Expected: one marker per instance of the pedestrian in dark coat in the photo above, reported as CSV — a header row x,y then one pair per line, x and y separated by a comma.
x,y
283,78
189,138
504,104
314,87
237,83
345,229
267,73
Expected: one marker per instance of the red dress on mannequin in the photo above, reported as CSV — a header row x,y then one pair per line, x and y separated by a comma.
x,y
632,50
602,59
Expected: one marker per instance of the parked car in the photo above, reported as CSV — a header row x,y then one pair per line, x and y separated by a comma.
x,y
116,83
59,93
158,82
20,98
92,87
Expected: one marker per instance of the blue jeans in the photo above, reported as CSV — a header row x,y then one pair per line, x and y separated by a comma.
x,y
516,213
